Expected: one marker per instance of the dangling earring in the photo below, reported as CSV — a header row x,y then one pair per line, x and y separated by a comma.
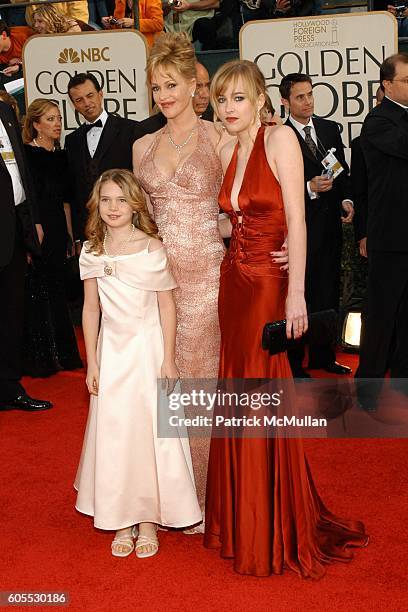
x,y
39,135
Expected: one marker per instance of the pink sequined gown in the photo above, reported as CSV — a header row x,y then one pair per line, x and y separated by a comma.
x,y
186,212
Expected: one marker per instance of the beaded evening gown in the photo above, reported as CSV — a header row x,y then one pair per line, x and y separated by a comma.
x,y
49,337
186,212
262,506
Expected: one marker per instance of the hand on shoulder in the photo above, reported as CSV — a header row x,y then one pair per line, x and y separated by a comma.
x,y
218,135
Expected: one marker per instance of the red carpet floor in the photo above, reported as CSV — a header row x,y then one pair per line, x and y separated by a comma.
x,y
47,546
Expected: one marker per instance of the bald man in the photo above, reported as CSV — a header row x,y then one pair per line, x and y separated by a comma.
x,y
201,100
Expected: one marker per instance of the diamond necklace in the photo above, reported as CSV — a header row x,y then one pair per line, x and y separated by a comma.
x,y
180,147
108,268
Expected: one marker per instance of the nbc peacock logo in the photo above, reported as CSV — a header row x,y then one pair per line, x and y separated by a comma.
x,y
68,56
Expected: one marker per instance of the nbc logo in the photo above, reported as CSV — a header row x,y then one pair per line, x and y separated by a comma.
x,y
68,55
93,54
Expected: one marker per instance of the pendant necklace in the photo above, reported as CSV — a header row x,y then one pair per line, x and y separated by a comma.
x,y
108,269
179,147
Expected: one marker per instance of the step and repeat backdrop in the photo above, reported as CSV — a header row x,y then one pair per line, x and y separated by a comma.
x,y
341,53
117,59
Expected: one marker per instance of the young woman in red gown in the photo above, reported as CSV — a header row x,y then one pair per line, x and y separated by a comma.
x,y
262,507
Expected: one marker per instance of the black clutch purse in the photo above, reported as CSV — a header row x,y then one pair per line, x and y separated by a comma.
x,y
322,331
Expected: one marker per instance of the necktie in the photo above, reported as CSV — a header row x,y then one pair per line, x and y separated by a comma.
x,y
89,126
309,140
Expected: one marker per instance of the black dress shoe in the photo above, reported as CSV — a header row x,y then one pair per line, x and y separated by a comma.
x,y
25,402
337,368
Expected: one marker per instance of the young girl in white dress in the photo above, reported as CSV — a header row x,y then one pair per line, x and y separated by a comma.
x,y
128,478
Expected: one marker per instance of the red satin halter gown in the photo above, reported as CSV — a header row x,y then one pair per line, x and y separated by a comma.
x,y
262,507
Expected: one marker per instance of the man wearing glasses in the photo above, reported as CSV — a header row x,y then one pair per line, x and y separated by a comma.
x,y
384,142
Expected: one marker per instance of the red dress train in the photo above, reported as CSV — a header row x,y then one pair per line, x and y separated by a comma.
x,y
263,509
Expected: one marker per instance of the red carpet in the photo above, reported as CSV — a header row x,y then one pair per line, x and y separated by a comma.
x,y
48,546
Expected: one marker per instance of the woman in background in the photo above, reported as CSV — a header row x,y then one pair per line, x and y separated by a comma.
x,y
50,343
48,20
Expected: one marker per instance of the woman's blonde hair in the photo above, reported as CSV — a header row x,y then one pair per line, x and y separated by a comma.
x,y
34,113
252,79
56,22
96,228
172,50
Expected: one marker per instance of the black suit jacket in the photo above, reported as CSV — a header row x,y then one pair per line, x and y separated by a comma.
x,y
358,174
114,151
384,142
323,215
27,212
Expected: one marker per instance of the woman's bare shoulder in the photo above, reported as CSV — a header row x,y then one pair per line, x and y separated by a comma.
x,y
226,152
143,143
140,146
278,133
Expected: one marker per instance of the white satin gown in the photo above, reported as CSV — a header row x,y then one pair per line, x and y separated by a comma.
x,y
127,474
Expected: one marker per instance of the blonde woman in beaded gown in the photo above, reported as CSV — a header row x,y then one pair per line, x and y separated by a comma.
x,y
179,170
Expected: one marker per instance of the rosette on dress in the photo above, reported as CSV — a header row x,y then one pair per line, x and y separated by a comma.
x,y
150,273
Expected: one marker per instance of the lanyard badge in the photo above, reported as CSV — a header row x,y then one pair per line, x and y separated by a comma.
x,y
332,166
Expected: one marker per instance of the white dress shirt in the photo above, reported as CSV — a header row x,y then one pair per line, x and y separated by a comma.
x,y
300,128
94,135
395,102
7,153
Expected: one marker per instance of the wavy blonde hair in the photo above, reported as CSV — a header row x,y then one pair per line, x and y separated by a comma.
x,y
95,228
34,113
57,22
252,79
172,50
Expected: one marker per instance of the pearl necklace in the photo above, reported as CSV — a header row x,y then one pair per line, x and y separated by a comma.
x,y
40,147
108,268
180,147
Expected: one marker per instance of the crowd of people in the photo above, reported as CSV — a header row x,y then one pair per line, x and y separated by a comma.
x,y
140,202
211,24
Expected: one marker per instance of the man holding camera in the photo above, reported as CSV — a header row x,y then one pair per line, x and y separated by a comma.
x,y
399,8
150,18
327,198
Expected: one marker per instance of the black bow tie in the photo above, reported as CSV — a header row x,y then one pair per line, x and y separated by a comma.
x,y
89,126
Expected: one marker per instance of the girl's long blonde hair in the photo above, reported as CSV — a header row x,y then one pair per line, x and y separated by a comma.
x,y
95,228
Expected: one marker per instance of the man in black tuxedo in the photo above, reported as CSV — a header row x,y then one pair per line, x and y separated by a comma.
x,y
359,181
384,142
20,231
325,201
103,142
